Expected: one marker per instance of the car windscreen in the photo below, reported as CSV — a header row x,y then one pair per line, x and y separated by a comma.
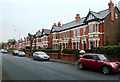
x,y
21,52
41,53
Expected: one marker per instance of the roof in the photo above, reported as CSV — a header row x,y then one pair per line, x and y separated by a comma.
x,y
101,14
68,25
38,33
45,31
96,16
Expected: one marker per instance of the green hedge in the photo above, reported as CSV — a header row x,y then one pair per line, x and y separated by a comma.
x,y
47,50
71,51
111,51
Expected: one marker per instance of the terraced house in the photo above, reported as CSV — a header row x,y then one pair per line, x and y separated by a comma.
x,y
40,40
96,29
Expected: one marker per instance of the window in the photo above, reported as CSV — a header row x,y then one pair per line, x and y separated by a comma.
x,y
56,36
78,32
91,28
66,34
96,27
91,44
96,43
116,16
61,35
94,57
66,45
74,33
84,31
86,56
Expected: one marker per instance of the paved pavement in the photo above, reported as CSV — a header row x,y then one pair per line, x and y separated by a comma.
x,y
72,62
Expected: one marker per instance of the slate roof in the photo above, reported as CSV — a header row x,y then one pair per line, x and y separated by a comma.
x,y
101,14
68,25
98,15
45,31
38,34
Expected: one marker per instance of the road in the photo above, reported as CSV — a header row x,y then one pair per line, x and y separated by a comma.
x,y
22,68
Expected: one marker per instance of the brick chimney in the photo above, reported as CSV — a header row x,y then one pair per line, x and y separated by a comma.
x,y
77,18
111,9
59,24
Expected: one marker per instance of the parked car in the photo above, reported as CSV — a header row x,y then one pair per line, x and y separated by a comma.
x,y
39,55
15,52
21,54
18,53
99,62
3,51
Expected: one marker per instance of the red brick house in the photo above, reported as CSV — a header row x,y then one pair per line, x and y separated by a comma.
x,y
96,29
42,38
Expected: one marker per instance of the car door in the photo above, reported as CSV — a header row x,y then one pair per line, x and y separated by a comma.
x,y
94,61
85,60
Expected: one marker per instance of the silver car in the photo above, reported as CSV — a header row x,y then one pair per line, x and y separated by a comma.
x,y
39,55
20,53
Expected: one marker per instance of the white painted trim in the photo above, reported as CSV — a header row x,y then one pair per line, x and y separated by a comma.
x,y
93,39
94,22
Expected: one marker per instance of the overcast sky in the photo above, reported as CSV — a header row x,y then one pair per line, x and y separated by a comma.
x,y
20,17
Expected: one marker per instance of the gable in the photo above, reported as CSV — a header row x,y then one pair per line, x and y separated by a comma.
x,y
90,17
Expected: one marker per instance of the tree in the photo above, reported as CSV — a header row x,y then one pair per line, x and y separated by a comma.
x,y
11,42
31,38
3,45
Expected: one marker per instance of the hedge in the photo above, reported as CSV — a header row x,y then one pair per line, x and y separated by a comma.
x,y
71,51
47,50
111,51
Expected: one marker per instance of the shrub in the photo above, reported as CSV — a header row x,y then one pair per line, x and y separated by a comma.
x,y
71,51
27,47
111,51
47,50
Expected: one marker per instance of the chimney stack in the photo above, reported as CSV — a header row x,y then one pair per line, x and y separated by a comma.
x,y
111,9
77,18
59,24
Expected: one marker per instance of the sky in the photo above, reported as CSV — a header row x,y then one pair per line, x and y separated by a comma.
x,y
20,17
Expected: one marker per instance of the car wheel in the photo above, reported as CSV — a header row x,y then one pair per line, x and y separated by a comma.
x,y
33,58
106,70
80,66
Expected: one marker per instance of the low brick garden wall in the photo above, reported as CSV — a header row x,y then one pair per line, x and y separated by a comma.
x,y
68,56
63,56
53,55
